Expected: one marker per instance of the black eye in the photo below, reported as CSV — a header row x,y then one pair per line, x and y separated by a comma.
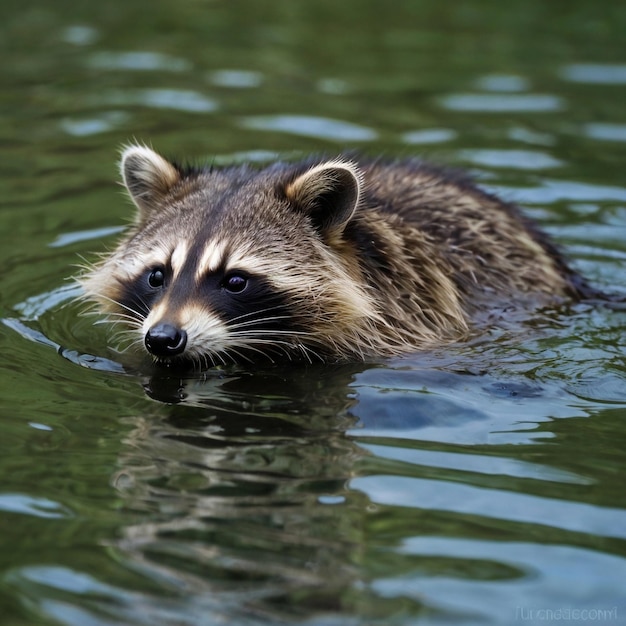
x,y
235,283
156,278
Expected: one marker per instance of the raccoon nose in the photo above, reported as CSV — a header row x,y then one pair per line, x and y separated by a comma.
x,y
165,340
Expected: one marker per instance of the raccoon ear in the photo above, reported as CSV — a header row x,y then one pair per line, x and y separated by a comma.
x,y
147,177
329,193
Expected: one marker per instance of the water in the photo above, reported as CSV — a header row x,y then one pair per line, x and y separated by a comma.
x,y
478,484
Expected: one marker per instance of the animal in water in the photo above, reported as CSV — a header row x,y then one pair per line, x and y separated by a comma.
x,y
343,258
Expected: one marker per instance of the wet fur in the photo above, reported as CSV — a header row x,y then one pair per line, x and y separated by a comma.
x,y
357,258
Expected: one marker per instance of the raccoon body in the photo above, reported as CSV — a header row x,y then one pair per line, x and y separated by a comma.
x,y
333,259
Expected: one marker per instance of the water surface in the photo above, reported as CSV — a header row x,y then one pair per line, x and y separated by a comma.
x,y
478,484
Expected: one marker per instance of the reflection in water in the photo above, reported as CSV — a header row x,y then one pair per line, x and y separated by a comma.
x,y
313,494
242,501
247,504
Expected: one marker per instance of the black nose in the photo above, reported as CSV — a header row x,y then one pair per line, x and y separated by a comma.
x,y
165,340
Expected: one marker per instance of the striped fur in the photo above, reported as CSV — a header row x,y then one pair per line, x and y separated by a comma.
x,y
341,259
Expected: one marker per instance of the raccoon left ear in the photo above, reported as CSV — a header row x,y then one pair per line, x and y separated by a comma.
x,y
147,177
328,193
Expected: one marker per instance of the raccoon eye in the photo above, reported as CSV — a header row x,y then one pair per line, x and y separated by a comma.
x,y
235,283
156,278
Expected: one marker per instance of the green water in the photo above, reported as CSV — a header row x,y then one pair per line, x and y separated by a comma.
x,y
479,484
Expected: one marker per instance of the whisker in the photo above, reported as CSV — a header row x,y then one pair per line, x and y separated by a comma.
x,y
242,356
247,346
246,339
253,322
136,342
118,318
241,321
133,312
226,352
208,361
270,333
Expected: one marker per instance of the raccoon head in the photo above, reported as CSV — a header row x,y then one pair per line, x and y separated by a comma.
x,y
233,264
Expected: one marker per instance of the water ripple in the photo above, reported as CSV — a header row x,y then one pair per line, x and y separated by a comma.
x,y
333,86
547,580
75,598
475,463
80,35
88,361
34,307
525,135
595,73
137,61
605,132
67,239
236,79
30,505
503,82
428,494
517,159
310,126
177,99
503,103
92,126
550,191
429,135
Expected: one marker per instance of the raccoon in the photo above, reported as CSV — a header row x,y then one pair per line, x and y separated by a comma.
x,y
332,259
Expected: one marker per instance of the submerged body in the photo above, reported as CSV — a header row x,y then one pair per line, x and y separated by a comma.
x,y
339,259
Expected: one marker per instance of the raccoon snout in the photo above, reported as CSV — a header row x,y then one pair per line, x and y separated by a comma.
x,y
165,340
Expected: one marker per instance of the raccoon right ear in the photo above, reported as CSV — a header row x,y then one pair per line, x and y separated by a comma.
x,y
148,177
329,193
